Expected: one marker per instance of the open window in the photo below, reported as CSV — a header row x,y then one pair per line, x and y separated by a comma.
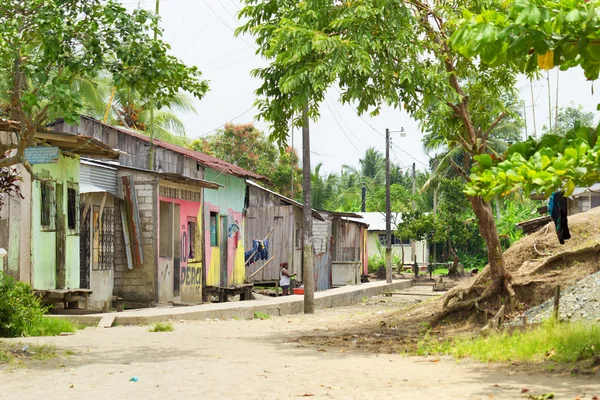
x,y
214,229
166,230
47,206
72,210
192,238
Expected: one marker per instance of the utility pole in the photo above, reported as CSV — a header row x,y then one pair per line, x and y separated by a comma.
x,y
308,275
388,212
363,204
533,109
549,102
292,162
413,246
556,102
151,153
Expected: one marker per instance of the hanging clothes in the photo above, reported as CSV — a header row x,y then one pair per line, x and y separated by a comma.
x,y
264,250
252,255
557,208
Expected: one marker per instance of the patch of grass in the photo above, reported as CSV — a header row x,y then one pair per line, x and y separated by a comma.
x,y
440,271
15,352
162,327
261,315
44,352
561,343
50,327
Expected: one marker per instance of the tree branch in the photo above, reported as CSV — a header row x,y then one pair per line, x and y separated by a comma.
x,y
491,128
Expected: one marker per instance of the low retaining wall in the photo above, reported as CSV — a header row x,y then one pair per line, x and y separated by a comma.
x,y
245,309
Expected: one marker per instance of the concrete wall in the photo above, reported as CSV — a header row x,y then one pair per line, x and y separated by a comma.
x,y
345,273
228,202
43,242
422,250
139,284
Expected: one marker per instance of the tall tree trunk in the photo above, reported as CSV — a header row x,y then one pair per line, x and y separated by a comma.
x,y
487,229
308,254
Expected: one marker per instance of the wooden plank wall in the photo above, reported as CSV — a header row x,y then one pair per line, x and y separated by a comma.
x,y
346,236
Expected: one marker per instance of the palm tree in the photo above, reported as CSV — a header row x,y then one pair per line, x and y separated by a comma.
x,y
323,188
372,165
128,109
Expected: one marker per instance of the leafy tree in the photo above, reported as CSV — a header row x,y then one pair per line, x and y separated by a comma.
x,y
370,49
246,146
531,34
569,117
46,46
323,188
130,109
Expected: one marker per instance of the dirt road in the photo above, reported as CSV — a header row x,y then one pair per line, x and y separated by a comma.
x,y
260,359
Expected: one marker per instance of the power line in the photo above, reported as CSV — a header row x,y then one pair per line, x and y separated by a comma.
x,y
210,13
220,126
349,130
225,8
187,12
230,64
226,24
340,126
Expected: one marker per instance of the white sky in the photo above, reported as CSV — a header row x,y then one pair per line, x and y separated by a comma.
x,y
200,33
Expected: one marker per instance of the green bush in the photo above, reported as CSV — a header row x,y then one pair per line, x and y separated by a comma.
x,y
376,262
46,326
20,310
162,327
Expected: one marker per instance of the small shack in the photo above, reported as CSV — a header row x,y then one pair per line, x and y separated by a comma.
x,y
376,240
42,231
344,239
268,211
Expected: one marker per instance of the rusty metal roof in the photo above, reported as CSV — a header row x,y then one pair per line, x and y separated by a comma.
x,y
78,144
204,159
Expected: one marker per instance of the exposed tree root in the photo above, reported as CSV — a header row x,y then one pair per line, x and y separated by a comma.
x,y
461,304
565,255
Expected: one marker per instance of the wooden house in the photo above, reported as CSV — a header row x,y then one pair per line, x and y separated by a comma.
x,y
270,212
42,230
173,241
343,237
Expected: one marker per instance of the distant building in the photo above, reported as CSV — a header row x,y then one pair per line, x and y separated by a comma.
x,y
376,239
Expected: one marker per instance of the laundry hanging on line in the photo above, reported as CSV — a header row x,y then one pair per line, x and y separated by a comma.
x,y
557,208
259,251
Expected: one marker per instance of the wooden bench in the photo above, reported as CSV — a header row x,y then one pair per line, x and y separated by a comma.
x,y
244,290
69,297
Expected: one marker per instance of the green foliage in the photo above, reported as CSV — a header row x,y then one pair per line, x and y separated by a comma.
x,y
48,46
569,117
554,163
562,343
47,326
20,310
247,147
528,29
162,327
261,315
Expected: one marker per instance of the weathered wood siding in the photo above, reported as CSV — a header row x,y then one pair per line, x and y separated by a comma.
x,y
138,151
264,213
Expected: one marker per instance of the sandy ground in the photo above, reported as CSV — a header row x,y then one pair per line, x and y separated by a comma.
x,y
261,359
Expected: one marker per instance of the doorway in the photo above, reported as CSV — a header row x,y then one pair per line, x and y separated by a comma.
x,y
223,250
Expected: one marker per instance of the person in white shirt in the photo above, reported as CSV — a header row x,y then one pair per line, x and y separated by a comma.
x,y
284,278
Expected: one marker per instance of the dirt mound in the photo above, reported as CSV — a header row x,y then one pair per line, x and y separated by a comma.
x,y
537,263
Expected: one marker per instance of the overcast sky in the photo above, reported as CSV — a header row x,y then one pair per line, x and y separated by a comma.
x,y
200,33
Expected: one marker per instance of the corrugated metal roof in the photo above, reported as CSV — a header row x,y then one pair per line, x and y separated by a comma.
x,y
376,220
204,159
95,176
315,213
